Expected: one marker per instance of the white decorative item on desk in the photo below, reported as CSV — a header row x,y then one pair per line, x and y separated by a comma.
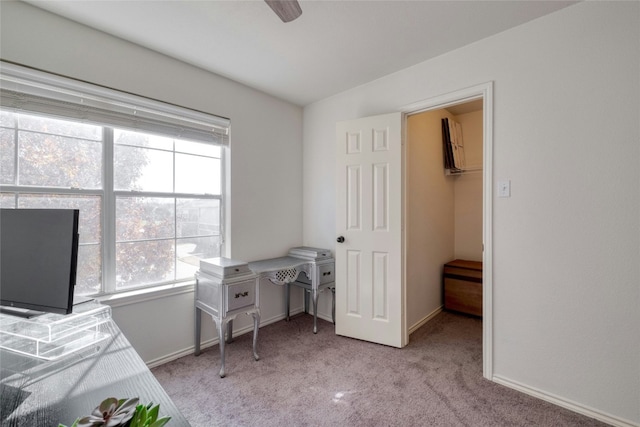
x,y
308,252
224,289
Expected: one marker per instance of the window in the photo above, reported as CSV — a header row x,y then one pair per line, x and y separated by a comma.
x,y
150,203
167,207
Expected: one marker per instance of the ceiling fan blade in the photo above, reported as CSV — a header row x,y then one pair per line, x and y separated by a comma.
x,y
287,10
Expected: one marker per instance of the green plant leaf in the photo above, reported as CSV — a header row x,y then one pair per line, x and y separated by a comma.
x,y
152,415
143,416
137,420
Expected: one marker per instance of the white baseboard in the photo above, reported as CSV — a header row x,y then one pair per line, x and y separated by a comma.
x,y
564,403
322,316
211,342
424,320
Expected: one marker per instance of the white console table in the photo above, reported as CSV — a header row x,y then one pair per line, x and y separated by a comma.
x,y
319,272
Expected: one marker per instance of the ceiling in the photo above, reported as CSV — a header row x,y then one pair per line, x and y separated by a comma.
x,y
466,107
333,46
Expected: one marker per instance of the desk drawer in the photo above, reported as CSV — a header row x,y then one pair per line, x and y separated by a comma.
x,y
327,273
241,294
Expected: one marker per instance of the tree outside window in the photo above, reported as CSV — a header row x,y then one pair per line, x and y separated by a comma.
x,y
160,234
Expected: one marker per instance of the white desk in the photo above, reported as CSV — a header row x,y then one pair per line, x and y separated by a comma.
x,y
224,289
320,275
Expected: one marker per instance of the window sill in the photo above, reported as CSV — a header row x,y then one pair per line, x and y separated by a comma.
x,y
147,294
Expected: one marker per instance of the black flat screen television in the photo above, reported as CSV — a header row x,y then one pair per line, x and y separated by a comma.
x,y
38,260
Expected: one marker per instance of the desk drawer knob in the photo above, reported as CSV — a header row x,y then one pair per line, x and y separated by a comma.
x,y
242,294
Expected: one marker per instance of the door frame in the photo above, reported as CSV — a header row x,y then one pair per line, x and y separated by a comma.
x,y
485,92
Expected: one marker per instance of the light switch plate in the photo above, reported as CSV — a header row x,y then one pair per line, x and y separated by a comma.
x,y
504,188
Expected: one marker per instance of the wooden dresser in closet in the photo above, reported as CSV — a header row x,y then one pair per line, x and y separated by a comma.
x,y
463,286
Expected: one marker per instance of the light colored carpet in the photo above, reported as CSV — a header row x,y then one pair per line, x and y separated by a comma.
x,y
304,379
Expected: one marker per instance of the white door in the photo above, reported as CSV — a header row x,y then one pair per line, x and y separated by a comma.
x,y
369,272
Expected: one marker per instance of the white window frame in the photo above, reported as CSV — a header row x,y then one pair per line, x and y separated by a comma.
x,y
34,92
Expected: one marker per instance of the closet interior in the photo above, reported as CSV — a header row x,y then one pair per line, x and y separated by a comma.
x,y
443,211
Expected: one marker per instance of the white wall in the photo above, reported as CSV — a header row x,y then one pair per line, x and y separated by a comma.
x,y
468,216
468,191
566,244
429,215
265,202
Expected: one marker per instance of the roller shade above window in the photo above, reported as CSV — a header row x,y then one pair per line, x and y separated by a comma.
x,y
27,90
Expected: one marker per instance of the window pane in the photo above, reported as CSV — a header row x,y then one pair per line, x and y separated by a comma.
x,y
191,251
55,161
142,263
89,275
197,175
142,169
198,148
7,156
143,140
7,200
47,125
90,228
198,217
7,119
143,218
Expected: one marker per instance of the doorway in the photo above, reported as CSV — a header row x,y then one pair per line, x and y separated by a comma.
x,y
447,215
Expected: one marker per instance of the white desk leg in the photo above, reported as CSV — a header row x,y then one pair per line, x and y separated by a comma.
x,y
256,325
221,326
333,305
197,331
315,310
287,296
